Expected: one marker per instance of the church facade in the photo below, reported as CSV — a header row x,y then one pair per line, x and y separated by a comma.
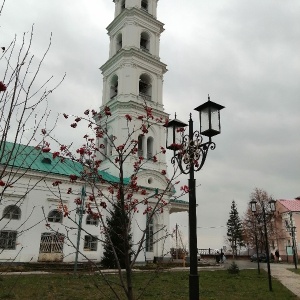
x,y
38,221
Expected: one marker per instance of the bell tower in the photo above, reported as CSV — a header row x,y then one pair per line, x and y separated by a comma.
x,y
133,78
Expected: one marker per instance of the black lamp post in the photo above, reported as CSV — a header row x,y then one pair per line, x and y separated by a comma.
x,y
189,152
264,214
292,230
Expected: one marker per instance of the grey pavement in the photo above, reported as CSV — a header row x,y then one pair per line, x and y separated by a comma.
x,y
288,278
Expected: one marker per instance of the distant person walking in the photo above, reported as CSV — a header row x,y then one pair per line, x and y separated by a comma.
x,y
217,257
222,256
277,255
272,257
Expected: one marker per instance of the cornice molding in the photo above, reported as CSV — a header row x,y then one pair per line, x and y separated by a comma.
x,y
133,53
131,105
134,13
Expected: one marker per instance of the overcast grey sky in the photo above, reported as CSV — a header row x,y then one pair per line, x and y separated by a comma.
x,y
245,54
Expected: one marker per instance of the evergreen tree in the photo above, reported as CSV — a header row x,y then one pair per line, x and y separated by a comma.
x,y
114,238
234,228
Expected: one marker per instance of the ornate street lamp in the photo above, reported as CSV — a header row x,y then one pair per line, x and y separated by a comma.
x,y
189,152
272,209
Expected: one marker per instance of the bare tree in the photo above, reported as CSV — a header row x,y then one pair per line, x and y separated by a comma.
x,y
253,226
133,201
24,117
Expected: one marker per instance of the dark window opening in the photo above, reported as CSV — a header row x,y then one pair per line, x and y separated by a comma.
x,y
8,239
145,88
144,5
119,43
114,86
91,221
90,243
140,146
55,216
143,44
123,5
149,148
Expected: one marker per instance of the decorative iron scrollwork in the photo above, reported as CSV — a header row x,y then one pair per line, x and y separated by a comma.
x,y
193,152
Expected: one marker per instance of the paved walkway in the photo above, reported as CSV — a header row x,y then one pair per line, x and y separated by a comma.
x,y
288,278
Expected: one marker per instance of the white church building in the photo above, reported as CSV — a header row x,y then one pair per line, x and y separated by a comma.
x,y
33,227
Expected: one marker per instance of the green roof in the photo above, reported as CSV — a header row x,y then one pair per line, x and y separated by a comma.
x,y
29,157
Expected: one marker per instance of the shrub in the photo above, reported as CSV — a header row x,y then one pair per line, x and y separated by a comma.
x,y
233,268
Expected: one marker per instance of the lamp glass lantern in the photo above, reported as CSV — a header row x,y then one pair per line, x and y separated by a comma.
x,y
209,114
253,206
175,131
272,205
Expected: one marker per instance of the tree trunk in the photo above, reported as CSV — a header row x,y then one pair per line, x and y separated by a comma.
x,y
127,248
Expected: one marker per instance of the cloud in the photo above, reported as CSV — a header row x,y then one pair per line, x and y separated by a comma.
x,y
243,53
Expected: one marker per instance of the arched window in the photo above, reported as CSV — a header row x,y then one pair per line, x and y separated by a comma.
x,y
141,145
12,212
91,221
145,87
114,86
119,42
149,147
149,235
144,5
55,216
145,41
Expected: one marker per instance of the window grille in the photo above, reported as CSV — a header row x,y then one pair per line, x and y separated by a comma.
x,y
12,212
52,242
149,235
8,239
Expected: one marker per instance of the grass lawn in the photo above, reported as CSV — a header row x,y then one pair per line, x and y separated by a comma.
x,y
162,286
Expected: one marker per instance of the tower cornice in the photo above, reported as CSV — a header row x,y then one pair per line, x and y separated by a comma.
x,y
130,106
131,55
137,15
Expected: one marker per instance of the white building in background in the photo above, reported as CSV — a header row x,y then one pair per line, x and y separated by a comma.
x,y
32,225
